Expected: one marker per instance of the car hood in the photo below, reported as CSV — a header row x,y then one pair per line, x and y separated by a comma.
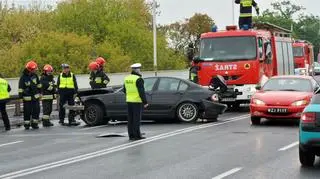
x,y
282,98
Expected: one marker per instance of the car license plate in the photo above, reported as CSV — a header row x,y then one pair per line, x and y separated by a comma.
x,y
277,110
228,99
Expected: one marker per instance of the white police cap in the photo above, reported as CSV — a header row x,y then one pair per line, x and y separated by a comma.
x,y
136,65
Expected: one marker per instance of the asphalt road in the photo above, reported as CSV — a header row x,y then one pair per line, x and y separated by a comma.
x,y
230,148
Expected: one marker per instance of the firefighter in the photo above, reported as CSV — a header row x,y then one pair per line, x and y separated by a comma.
x,y
98,78
136,100
245,17
4,96
29,92
48,93
67,90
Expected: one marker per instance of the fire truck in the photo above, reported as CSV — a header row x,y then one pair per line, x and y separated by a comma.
x,y
245,58
303,55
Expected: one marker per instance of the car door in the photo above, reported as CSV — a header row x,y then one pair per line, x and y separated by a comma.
x,y
119,108
166,95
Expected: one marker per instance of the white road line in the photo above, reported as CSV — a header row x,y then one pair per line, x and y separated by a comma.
x,y
227,173
79,158
89,128
289,146
1,145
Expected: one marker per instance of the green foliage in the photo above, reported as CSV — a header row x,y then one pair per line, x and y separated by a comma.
x,y
180,34
77,32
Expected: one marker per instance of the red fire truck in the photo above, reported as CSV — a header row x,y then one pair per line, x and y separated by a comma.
x,y
303,55
244,58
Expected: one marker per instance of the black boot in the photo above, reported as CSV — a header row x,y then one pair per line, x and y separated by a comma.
x,y
34,124
27,125
46,123
73,123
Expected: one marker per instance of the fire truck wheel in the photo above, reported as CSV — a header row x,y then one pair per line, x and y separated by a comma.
x,y
255,120
187,112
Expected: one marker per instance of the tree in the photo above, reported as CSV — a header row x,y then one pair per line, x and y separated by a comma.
x,y
180,34
286,8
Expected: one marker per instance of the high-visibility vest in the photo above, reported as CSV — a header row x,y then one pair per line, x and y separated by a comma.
x,y
66,82
4,94
132,93
246,5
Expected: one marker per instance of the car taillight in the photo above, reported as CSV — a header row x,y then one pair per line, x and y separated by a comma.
x,y
308,117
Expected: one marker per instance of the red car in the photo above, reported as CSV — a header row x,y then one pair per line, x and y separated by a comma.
x,y
282,97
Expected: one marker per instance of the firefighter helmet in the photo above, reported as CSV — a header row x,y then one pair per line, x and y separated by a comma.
x,y
101,61
48,68
93,66
31,65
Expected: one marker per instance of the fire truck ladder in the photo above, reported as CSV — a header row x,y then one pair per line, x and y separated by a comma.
x,y
276,30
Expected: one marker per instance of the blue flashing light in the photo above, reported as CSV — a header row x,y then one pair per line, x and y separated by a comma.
x,y
245,27
214,28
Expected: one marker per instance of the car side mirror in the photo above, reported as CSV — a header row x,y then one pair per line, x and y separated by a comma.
x,y
258,87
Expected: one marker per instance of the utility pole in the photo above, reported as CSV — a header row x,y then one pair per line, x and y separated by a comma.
x,y
233,21
154,5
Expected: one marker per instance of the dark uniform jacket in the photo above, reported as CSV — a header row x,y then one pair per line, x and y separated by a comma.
x,y
66,90
29,86
140,86
48,85
99,79
248,9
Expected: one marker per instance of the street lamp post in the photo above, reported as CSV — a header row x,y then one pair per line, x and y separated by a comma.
x,y
154,5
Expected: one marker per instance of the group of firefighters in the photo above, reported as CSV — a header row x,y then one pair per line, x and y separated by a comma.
x,y
33,89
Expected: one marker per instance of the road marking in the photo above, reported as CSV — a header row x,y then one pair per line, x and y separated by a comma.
x,y
227,173
102,152
289,146
1,145
96,127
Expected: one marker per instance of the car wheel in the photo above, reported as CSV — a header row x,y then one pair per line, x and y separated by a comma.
x,y
255,120
306,158
93,114
187,112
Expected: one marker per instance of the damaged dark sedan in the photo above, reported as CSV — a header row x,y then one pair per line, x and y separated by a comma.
x,y
169,98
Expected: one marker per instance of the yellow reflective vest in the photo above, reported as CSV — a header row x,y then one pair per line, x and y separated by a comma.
x,y
66,82
132,93
4,94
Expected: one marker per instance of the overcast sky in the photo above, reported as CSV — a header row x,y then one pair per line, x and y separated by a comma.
x,y
219,10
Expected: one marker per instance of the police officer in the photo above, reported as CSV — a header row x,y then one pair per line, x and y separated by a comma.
x,y
29,92
98,78
193,74
4,96
48,93
246,12
136,100
67,90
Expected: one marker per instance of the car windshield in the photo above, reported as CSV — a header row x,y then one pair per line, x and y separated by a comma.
x,y
297,51
228,48
316,64
288,84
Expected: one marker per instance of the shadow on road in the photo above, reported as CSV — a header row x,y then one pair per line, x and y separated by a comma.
x,y
311,171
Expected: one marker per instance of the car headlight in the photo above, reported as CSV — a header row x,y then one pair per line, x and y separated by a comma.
x,y
300,103
258,102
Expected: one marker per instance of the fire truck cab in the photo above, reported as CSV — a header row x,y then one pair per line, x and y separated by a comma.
x,y
244,58
303,55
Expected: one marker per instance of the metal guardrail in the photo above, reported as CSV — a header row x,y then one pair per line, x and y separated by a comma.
x,y
83,83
